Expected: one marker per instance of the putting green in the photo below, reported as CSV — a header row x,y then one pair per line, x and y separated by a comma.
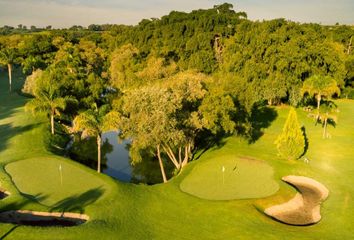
x,y
41,179
242,178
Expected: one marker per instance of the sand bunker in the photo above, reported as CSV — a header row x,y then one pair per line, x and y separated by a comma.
x,y
33,218
3,193
304,208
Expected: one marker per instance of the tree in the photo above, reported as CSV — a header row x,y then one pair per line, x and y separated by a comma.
x,y
166,118
291,142
92,123
8,56
47,99
320,87
327,114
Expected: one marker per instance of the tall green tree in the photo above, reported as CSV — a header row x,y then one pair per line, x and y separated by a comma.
x,y
320,87
328,113
47,99
166,118
9,56
92,123
291,142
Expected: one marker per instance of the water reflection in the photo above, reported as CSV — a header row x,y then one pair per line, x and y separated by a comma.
x,y
118,163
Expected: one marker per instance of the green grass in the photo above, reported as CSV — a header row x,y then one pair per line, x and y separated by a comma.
x,y
242,178
163,211
40,178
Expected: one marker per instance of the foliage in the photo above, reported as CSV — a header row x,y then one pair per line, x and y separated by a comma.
x,y
30,83
291,142
320,86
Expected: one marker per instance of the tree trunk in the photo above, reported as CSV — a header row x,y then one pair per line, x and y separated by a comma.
x,y
186,157
171,156
52,123
270,102
98,153
180,155
9,68
161,164
318,98
325,128
318,101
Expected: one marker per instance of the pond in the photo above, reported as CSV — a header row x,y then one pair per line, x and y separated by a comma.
x,y
115,160
118,163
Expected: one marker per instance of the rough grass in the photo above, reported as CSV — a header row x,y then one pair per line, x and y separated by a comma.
x,y
242,178
163,211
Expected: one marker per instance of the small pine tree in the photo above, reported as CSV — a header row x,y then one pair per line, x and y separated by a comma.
x,y
291,142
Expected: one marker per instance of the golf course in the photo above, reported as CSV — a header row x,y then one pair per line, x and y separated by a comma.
x,y
221,194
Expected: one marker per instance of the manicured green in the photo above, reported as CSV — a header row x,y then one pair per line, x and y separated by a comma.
x,y
40,177
230,177
163,211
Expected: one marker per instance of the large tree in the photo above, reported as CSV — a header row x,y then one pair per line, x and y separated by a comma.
x,y
328,113
167,117
320,87
9,56
92,123
47,99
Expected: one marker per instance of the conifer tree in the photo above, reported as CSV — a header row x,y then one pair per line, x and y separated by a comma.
x,y
291,142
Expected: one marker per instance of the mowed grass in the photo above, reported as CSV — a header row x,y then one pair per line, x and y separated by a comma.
x,y
230,177
54,181
163,211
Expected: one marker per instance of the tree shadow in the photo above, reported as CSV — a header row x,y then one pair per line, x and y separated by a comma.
x,y
306,141
85,151
8,131
206,140
148,171
261,118
9,232
20,204
78,202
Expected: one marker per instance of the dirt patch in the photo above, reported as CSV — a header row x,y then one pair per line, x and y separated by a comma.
x,y
33,218
304,208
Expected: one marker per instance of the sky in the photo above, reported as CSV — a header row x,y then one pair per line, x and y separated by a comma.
x,y
66,13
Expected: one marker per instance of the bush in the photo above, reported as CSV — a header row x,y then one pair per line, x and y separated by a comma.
x,y
291,142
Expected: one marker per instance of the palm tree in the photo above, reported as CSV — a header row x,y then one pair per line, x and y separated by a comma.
x,y
47,100
92,123
320,86
8,56
327,114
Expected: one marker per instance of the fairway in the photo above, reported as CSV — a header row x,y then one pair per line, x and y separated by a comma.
x,y
40,178
229,178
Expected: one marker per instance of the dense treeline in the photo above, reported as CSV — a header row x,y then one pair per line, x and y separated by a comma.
x,y
166,83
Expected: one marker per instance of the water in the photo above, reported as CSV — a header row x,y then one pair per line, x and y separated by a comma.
x,y
118,164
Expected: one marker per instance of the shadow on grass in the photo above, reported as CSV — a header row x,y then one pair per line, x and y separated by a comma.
x,y
7,132
207,141
9,232
306,141
261,118
77,203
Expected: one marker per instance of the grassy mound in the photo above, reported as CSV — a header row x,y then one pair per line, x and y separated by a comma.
x,y
40,179
230,178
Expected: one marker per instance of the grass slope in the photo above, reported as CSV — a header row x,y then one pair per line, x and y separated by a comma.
x,y
163,211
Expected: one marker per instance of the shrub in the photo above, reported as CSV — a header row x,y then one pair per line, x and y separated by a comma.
x,y
291,142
